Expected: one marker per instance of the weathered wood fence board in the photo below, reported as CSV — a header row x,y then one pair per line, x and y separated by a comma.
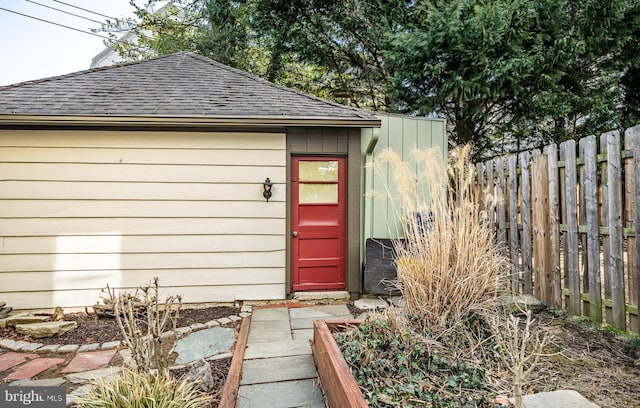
x,y
567,220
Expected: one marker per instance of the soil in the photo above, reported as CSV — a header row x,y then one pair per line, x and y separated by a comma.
x,y
102,329
601,365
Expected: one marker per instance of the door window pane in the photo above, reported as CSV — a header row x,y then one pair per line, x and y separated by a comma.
x,y
318,193
318,170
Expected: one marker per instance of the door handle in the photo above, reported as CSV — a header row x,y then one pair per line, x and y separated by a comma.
x,y
295,233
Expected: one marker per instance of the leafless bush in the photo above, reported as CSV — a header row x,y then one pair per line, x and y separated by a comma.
x,y
518,346
142,319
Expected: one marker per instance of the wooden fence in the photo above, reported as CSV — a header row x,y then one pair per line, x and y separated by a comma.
x,y
567,218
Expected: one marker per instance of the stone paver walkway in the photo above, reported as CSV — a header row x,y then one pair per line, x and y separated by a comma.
x,y
278,368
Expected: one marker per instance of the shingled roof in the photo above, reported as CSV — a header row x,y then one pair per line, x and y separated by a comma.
x,y
177,85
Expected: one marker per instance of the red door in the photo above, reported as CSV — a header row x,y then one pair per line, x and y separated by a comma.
x,y
318,236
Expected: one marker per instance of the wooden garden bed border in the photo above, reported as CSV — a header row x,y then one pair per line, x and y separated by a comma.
x,y
231,385
340,387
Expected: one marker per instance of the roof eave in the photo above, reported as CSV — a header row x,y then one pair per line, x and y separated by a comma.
x,y
187,121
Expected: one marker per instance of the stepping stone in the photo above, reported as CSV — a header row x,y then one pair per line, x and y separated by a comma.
x,y
90,360
45,329
204,343
11,359
277,349
266,370
299,393
371,304
279,313
46,382
302,334
267,331
106,374
556,399
33,368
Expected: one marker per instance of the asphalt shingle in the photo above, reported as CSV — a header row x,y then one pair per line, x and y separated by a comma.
x,y
180,84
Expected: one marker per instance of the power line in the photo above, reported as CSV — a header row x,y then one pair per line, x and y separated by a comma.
x,y
63,11
51,22
83,9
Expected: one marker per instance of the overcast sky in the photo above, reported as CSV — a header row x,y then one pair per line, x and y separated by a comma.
x,y
32,49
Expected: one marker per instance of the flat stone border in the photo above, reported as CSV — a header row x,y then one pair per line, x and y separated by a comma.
x,y
26,346
232,384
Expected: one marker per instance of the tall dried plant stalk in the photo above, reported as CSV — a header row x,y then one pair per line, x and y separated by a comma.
x,y
447,263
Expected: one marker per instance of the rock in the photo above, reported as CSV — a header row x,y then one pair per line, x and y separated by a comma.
x,y
26,318
5,310
556,399
3,304
520,303
370,304
45,329
201,375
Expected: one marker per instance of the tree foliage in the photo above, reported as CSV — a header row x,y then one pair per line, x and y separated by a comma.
x,y
507,74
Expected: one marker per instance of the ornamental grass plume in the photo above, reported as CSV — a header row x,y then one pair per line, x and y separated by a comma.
x,y
448,264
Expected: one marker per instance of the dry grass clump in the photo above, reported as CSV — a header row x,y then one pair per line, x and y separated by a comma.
x,y
448,265
135,389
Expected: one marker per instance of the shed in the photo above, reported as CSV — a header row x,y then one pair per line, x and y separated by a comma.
x,y
381,223
116,175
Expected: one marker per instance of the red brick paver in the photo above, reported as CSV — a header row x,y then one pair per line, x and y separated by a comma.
x,y
33,368
12,359
90,360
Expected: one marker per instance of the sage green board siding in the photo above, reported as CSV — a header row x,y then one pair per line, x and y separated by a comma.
x,y
83,209
336,142
401,134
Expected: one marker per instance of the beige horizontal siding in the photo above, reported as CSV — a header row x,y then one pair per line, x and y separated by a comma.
x,y
79,210
117,172
191,294
109,244
127,278
117,208
139,226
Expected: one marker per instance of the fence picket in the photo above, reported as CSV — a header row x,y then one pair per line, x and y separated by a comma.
x,y
634,272
541,229
525,215
615,230
513,223
568,153
590,189
491,197
551,151
500,206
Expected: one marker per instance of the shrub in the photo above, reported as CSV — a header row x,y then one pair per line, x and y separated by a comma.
x,y
134,389
143,311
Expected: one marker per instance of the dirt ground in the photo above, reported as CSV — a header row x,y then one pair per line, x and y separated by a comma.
x,y
602,366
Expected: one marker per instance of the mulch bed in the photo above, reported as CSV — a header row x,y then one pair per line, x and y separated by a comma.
x,y
95,329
